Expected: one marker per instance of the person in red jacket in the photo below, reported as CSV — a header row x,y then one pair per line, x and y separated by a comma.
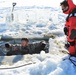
x,y
68,7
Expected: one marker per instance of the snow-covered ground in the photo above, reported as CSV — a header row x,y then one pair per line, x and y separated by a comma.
x,y
31,21
36,21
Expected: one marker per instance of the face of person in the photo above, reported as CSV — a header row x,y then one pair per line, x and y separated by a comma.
x,y
64,9
24,43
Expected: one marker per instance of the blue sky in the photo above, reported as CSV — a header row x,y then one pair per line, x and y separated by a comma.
x,y
53,3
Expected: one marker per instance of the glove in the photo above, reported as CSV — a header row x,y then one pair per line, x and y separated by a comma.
x,y
66,31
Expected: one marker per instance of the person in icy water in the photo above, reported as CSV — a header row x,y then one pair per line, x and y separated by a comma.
x,y
27,48
69,7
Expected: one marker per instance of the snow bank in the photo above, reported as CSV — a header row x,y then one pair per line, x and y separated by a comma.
x,y
51,65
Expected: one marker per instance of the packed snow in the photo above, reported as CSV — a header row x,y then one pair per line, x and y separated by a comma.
x,y
36,21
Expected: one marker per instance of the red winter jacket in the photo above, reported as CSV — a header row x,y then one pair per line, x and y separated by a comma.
x,y
71,23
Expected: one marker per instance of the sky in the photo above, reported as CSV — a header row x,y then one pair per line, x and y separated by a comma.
x,y
53,3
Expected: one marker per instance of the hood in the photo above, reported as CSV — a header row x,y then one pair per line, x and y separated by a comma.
x,y
71,6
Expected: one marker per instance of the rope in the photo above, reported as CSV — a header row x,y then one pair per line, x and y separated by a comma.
x,y
17,66
72,61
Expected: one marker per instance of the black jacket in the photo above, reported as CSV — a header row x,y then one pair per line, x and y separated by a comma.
x,y
30,49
